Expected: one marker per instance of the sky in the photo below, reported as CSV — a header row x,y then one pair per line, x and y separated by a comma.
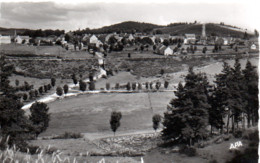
x,y
79,14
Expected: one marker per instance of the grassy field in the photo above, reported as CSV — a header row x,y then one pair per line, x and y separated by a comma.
x,y
91,113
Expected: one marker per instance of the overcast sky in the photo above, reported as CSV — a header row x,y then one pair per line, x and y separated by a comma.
x,y
78,14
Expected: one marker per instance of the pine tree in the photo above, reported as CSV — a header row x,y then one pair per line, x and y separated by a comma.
x,y
187,115
250,77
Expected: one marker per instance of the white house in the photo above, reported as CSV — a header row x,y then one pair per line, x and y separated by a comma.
x,y
94,40
5,39
253,47
130,37
165,50
189,38
19,39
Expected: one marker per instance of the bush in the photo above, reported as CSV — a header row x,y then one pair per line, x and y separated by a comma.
x,y
189,151
69,135
151,85
59,91
45,88
36,93
49,87
238,134
158,85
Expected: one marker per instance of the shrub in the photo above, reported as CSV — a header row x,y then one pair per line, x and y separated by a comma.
x,y
162,71
189,151
69,135
107,86
59,91
32,94
66,88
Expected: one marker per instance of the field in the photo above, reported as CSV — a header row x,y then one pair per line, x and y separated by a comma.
x,y
91,113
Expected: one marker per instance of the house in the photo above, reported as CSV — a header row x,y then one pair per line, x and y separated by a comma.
x,y
22,39
94,40
163,50
5,39
190,39
131,37
253,47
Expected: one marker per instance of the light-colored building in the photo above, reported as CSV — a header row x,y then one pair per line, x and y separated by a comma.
x,y
5,39
253,47
190,39
94,40
20,39
163,50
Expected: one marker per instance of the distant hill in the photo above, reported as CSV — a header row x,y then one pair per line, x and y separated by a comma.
x,y
10,31
124,27
180,29
211,29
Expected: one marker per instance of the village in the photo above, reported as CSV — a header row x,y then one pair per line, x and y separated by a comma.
x,y
83,77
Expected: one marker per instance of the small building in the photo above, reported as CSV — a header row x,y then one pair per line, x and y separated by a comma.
x,y
5,39
163,50
22,39
190,39
253,47
94,40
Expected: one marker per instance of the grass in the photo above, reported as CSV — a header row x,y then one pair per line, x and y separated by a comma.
x,y
91,113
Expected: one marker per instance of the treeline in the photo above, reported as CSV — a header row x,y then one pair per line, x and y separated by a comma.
x,y
231,101
15,126
43,33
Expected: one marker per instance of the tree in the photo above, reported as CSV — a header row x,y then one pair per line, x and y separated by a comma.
x,y
66,88
250,77
45,88
36,92
166,84
187,115
204,50
117,86
92,86
147,85
25,96
40,89
115,121
128,86
151,85
158,85
82,86
162,71
133,86
107,86
6,71
59,91
32,94
156,121
17,83
39,117
48,87
75,80
139,86
53,80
